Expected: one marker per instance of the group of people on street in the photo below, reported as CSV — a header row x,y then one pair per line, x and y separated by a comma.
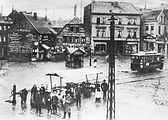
x,y
57,99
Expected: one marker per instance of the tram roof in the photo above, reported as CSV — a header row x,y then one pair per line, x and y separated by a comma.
x,y
75,72
150,53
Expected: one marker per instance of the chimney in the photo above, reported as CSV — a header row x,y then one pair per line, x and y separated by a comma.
x,y
75,9
35,15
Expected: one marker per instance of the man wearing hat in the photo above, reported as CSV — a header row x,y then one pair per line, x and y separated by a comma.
x,y
104,87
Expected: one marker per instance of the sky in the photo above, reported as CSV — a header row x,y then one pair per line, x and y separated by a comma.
x,y
63,9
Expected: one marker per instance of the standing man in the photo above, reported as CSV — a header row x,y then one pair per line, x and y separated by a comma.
x,y
104,87
38,101
78,96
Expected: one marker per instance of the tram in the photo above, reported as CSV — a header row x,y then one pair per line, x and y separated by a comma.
x,y
147,61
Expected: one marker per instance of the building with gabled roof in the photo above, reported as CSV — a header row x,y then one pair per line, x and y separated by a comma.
x,y
155,25
127,26
31,38
72,34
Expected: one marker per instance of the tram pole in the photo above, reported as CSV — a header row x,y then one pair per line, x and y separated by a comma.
x,y
111,75
14,94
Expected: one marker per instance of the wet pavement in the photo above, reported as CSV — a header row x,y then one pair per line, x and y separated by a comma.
x,y
139,96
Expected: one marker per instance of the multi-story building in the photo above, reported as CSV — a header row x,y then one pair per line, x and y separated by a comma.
x,y
72,34
5,24
31,38
155,27
127,26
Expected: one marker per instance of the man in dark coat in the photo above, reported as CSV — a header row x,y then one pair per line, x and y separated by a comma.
x,y
104,87
78,96
23,94
38,101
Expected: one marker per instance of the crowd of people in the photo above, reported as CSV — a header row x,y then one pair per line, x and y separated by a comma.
x,y
60,99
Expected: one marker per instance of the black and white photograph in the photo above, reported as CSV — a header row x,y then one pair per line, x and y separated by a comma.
x,y
83,59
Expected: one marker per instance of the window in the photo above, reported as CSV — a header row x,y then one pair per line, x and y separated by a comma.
x,y
0,39
129,34
4,39
104,20
4,27
0,27
98,20
146,28
134,35
152,28
134,22
161,19
71,29
119,22
98,31
103,32
159,29
119,33
129,22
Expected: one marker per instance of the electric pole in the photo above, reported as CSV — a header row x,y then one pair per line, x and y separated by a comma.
x,y
111,75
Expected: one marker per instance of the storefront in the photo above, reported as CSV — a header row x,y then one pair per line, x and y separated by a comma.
x,y
149,43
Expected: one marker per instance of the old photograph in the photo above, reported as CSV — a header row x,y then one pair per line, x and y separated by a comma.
x,y
83,59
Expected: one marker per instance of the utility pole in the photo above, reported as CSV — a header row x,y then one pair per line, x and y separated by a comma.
x,y
111,77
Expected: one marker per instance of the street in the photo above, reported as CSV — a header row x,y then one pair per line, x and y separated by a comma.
x,y
139,96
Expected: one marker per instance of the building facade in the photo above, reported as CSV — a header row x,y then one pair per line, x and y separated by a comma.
x,y
5,25
31,38
127,26
73,34
155,25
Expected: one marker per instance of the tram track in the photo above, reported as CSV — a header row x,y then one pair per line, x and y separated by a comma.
x,y
138,80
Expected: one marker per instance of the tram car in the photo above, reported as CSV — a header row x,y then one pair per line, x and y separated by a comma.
x,y
147,61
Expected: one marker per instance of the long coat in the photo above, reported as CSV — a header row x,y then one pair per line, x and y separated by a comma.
x,y
38,98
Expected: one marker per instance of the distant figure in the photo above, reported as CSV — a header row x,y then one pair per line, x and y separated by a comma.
x,y
48,103
42,90
54,103
98,95
67,106
104,87
23,94
95,63
34,89
78,96
38,101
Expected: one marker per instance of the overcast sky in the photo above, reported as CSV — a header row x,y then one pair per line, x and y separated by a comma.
x,y
62,8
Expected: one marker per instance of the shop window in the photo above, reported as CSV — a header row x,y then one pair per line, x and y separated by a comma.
x,y
98,20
